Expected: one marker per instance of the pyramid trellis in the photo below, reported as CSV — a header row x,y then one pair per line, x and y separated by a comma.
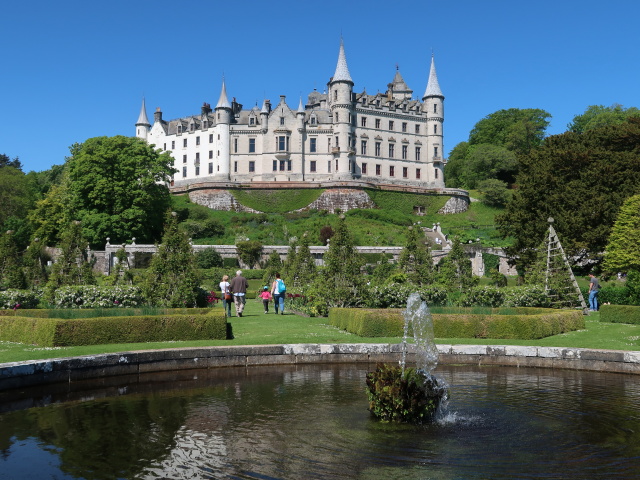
x,y
557,266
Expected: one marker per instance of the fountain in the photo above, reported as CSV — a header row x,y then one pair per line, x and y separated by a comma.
x,y
406,394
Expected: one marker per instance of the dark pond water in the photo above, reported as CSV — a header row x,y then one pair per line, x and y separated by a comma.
x,y
312,422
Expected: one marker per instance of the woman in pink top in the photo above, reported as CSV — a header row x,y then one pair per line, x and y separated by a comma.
x,y
266,297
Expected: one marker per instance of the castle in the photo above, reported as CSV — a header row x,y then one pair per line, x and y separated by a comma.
x,y
338,136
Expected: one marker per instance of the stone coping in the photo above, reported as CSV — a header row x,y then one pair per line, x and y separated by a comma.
x,y
42,372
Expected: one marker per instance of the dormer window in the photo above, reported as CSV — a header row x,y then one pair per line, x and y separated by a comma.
x,y
313,120
179,129
252,121
205,124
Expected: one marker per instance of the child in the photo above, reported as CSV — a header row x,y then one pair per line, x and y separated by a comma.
x,y
266,297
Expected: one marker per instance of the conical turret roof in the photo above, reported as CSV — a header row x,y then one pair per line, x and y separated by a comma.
x,y
223,102
433,88
142,118
342,70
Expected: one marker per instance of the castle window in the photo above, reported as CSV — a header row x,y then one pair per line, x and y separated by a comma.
x,y
197,170
312,145
210,168
335,94
313,120
179,129
289,165
404,152
435,152
436,172
282,165
281,120
363,122
218,136
405,172
392,171
418,173
275,165
329,166
184,159
252,145
390,124
363,147
404,126
377,123
392,150
197,157
364,168
210,153
378,169
235,167
211,138
337,141
205,124
417,129
336,164
283,143
252,166
252,121
192,127
184,143
377,149
435,129
173,144
337,117
235,145
165,147
312,166
417,154
184,172
435,108
197,140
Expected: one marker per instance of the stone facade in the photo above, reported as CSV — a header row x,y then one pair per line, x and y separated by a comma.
x,y
389,137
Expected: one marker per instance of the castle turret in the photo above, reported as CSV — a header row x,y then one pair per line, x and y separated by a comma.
x,y
433,106
341,104
300,116
264,115
142,125
224,115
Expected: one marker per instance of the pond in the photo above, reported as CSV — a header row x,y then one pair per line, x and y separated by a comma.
x,y
311,422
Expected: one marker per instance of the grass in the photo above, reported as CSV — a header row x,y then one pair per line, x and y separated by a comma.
x,y
256,328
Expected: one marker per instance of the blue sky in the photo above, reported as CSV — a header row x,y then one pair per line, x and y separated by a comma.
x,y
73,70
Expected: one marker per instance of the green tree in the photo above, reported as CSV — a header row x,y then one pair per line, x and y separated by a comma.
x,y
596,116
496,193
35,264
16,196
305,268
622,253
208,258
11,275
249,252
455,270
274,265
116,186
518,130
5,161
341,281
485,161
172,279
74,265
580,180
415,259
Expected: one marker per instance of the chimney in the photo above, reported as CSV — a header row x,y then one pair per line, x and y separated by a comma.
x,y
157,116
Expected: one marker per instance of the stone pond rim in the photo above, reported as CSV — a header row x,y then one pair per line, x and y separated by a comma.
x,y
42,372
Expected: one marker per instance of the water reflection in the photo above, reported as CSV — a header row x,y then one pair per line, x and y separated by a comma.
x,y
311,422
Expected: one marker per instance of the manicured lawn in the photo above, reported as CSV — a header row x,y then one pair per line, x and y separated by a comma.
x,y
256,328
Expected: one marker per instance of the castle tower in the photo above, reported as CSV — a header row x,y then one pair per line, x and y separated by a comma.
x,y
341,105
224,116
433,106
142,125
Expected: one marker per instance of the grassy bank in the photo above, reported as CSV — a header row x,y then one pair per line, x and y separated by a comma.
x,y
256,328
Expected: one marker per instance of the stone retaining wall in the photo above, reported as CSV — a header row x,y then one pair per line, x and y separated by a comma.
x,y
39,372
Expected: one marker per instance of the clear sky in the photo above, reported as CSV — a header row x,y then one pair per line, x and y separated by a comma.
x,y
73,70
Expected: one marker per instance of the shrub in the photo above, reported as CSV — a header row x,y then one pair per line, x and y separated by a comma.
x,y
91,296
620,314
208,258
483,297
526,296
19,298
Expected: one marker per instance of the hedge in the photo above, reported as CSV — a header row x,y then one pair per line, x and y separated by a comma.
x,y
620,314
525,324
59,332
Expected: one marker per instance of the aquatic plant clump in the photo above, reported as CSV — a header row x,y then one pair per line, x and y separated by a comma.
x,y
412,396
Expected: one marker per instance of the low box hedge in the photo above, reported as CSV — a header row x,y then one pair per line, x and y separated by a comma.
x,y
62,332
527,324
620,314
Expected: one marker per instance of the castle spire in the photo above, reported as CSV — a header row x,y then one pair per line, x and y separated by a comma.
x,y
433,87
142,118
342,71
223,102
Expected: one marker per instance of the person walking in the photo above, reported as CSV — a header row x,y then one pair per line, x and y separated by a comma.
x,y
594,288
266,297
278,290
238,287
225,292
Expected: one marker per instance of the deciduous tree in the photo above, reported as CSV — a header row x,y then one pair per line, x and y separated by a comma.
x,y
622,253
